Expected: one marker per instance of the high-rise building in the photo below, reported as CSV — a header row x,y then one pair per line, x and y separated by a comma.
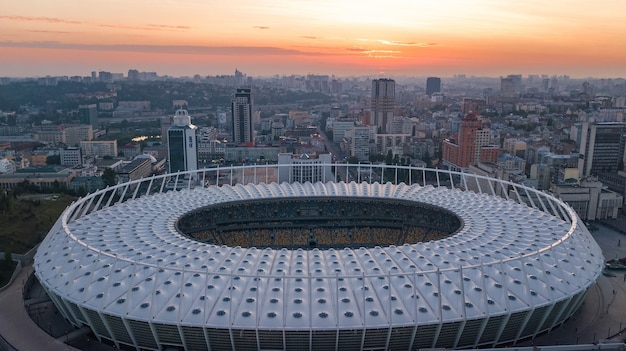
x,y
242,105
511,85
433,85
88,114
470,146
600,145
239,78
383,102
360,143
182,145
133,75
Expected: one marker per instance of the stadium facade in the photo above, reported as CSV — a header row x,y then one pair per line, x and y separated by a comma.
x,y
129,263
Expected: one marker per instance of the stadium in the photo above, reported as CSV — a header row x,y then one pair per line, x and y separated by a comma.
x,y
210,260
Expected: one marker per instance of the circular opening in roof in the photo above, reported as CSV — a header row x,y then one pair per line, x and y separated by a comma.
x,y
302,222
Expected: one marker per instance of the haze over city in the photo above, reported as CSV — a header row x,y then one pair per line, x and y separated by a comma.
x,y
348,37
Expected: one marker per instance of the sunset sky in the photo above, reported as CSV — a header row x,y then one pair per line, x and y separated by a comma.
x,y
580,38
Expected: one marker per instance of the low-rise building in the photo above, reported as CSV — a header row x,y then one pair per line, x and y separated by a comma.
x,y
7,166
251,154
289,172
589,198
138,168
70,156
86,184
42,177
99,148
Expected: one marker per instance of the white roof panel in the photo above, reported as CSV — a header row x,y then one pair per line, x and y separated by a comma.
x,y
129,259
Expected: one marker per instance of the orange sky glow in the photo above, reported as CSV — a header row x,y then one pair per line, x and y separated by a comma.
x,y
341,37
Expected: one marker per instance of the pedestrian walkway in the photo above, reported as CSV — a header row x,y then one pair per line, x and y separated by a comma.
x,y
16,326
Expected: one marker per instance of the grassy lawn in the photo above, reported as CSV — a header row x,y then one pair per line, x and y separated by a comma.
x,y
28,221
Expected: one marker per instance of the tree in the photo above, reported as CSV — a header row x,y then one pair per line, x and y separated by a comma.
x,y
426,158
353,160
109,177
374,158
5,203
389,157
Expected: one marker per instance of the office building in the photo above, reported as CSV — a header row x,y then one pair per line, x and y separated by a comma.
x,y
340,127
589,198
77,133
182,145
88,114
70,156
314,168
433,85
138,168
600,145
242,105
383,102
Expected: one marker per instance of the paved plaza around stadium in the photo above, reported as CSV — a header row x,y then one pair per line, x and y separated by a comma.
x,y
603,314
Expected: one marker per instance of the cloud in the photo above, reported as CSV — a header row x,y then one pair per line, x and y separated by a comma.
x,y
383,54
39,19
169,49
261,27
375,53
165,26
398,43
54,20
50,31
357,49
310,37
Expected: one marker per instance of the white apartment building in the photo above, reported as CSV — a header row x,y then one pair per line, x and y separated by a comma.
x,y
99,148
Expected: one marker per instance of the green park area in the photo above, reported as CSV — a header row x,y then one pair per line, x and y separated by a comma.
x,y
24,222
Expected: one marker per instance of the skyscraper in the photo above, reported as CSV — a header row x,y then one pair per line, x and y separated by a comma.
x,y
600,145
383,102
182,146
242,104
433,85
88,114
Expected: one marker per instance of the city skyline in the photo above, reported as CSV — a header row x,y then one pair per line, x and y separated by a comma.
x,y
444,38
